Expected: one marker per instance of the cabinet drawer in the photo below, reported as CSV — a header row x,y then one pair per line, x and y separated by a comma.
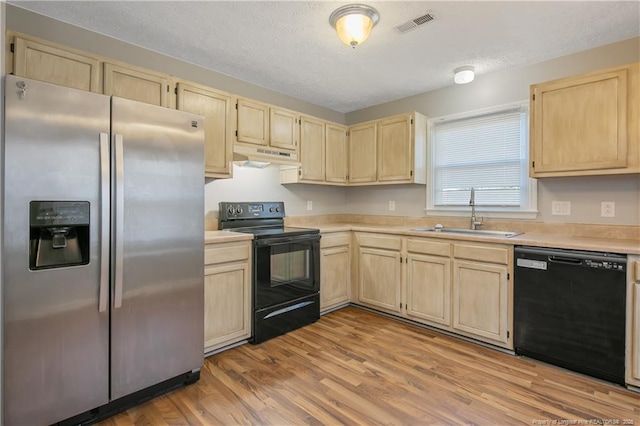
x,y
335,240
483,253
222,253
380,241
435,248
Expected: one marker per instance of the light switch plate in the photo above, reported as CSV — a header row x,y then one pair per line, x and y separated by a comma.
x,y
392,206
561,208
309,205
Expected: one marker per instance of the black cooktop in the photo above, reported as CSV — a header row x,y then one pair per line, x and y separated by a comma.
x,y
262,219
276,231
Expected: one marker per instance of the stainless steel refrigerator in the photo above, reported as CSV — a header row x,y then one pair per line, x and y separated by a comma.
x,y
102,251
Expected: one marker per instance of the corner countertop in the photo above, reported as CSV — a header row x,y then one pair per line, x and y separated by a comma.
x,y
214,237
611,245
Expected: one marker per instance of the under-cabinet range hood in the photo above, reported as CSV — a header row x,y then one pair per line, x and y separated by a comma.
x,y
265,154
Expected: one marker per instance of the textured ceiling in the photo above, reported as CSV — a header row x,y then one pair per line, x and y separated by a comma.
x,y
289,46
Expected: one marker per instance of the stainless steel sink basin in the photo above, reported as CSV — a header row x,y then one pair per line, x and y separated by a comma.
x,y
462,231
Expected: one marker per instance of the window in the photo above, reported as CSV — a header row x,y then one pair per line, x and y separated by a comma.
x,y
487,151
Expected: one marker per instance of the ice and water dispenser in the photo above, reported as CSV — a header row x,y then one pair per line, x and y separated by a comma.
x,y
59,234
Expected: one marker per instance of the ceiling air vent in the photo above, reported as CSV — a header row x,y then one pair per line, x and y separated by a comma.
x,y
413,23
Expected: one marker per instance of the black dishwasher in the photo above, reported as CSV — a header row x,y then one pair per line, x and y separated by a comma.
x,y
569,309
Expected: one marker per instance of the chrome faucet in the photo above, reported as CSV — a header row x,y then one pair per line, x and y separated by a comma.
x,y
474,220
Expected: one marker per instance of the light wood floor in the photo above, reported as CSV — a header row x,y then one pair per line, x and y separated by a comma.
x,y
355,367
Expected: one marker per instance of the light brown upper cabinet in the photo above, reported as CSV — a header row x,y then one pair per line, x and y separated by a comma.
x,y
586,124
253,122
336,154
362,153
136,84
284,129
395,149
218,111
312,149
55,64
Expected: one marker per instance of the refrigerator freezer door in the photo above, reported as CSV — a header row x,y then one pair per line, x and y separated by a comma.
x,y
55,337
157,327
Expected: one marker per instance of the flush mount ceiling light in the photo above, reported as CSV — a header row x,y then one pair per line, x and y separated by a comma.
x,y
354,22
463,75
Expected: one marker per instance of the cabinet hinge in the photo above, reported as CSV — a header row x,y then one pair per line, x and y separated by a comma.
x,y
401,306
12,47
236,105
175,90
508,276
400,259
508,334
299,172
534,96
236,133
412,121
533,164
168,88
410,172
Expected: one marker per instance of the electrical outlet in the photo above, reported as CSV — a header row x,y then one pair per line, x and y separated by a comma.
x,y
309,205
392,206
561,208
608,209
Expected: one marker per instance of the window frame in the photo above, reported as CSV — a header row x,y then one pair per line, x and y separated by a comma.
x,y
529,211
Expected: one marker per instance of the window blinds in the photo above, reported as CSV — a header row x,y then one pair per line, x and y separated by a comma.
x,y
480,152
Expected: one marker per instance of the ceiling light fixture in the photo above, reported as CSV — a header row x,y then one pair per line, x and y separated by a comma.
x,y
354,22
463,75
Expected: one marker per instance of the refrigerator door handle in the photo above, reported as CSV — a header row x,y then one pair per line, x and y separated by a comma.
x,y
119,222
104,222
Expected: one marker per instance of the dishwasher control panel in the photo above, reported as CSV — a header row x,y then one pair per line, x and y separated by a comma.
x,y
605,264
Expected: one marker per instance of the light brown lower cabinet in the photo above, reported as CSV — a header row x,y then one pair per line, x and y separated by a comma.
x,y
633,318
227,294
335,270
464,288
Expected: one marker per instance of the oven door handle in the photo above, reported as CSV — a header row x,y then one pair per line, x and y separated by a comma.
x,y
286,240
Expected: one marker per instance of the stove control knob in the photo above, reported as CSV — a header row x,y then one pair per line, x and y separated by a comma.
x,y
239,210
230,210
278,209
271,209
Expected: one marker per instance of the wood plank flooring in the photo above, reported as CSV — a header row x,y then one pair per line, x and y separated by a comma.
x,y
354,367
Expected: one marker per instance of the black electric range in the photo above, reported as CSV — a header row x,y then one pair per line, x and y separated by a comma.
x,y
286,267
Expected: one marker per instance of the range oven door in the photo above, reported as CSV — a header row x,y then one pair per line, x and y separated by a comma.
x,y
285,268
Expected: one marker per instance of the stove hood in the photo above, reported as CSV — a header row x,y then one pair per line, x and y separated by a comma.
x,y
264,154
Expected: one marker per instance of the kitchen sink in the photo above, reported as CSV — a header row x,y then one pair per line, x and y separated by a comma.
x,y
463,231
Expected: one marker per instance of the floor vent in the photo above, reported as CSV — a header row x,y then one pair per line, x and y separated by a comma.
x,y
413,23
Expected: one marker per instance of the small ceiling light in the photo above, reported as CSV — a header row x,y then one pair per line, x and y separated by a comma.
x,y
463,75
354,22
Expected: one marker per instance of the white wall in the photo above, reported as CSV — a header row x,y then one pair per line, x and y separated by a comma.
x,y
250,184
585,193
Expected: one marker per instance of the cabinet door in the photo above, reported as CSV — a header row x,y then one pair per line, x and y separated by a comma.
x,y
227,304
57,66
284,129
312,135
480,300
335,276
379,278
216,108
135,84
580,124
395,149
362,153
253,122
336,154
429,288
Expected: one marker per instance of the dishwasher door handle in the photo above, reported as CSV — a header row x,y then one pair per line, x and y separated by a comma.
x,y
565,260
